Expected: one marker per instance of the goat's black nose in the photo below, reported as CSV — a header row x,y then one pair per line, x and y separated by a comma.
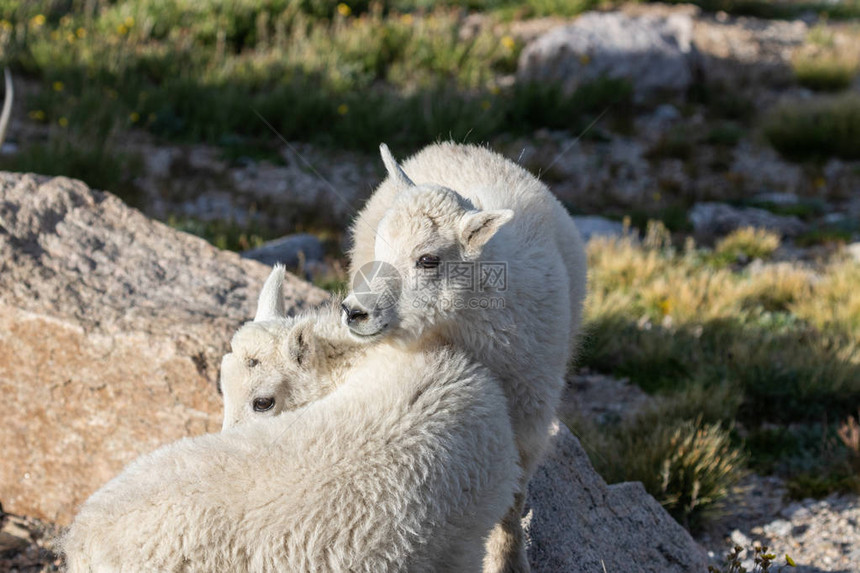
x,y
353,314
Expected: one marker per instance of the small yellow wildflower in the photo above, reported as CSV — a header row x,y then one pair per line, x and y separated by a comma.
x,y
65,20
508,42
665,306
64,122
486,104
37,21
407,19
5,25
343,109
584,59
656,196
121,30
344,10
38,115
81,33
59,86
70,38
129,22
134,117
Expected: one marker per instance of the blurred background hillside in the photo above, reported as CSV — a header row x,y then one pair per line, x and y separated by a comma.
x,y
709,150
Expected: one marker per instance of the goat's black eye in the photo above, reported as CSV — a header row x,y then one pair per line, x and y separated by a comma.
x,y
427,262
251,362
263,404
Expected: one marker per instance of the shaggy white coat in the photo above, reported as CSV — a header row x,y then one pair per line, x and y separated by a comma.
x,y
435,203
404,466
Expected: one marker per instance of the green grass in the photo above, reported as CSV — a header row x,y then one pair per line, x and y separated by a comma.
x,y
825,236
228,235
688,465
347,75
726,133
807,209
779,9
99,165
816,129
826,74
745,245
773,355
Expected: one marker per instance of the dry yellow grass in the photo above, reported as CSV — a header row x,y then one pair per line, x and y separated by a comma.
x,y
768,347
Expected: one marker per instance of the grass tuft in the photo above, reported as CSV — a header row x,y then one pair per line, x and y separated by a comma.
x,y
816,129
772,347
689,466
746,244
826,73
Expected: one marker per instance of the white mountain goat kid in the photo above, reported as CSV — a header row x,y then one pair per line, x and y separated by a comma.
x,y
404,466
464,246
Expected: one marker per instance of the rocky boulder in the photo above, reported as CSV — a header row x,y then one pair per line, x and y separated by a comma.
x,y
112,327
591,226
711,220
651,51
291,251
577,524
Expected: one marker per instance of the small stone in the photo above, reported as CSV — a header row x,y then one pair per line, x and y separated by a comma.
x,y
854,251
291,251
738,538
594,226
794,511
778,528
718,219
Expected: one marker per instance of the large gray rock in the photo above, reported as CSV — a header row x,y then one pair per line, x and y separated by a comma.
x,y
575,523
112,328
717,219
591,226
652,51
291,251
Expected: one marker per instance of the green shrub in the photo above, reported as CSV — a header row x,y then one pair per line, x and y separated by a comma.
x,y
816,129
727,134
97,164
824,236
227,235
748,243
687,465
827,72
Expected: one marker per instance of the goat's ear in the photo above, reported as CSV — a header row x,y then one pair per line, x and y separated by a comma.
x,y
394,170
478,227
300,344
270,305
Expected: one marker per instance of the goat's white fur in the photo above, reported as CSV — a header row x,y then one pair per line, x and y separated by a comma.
x,y
404,466
528,343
